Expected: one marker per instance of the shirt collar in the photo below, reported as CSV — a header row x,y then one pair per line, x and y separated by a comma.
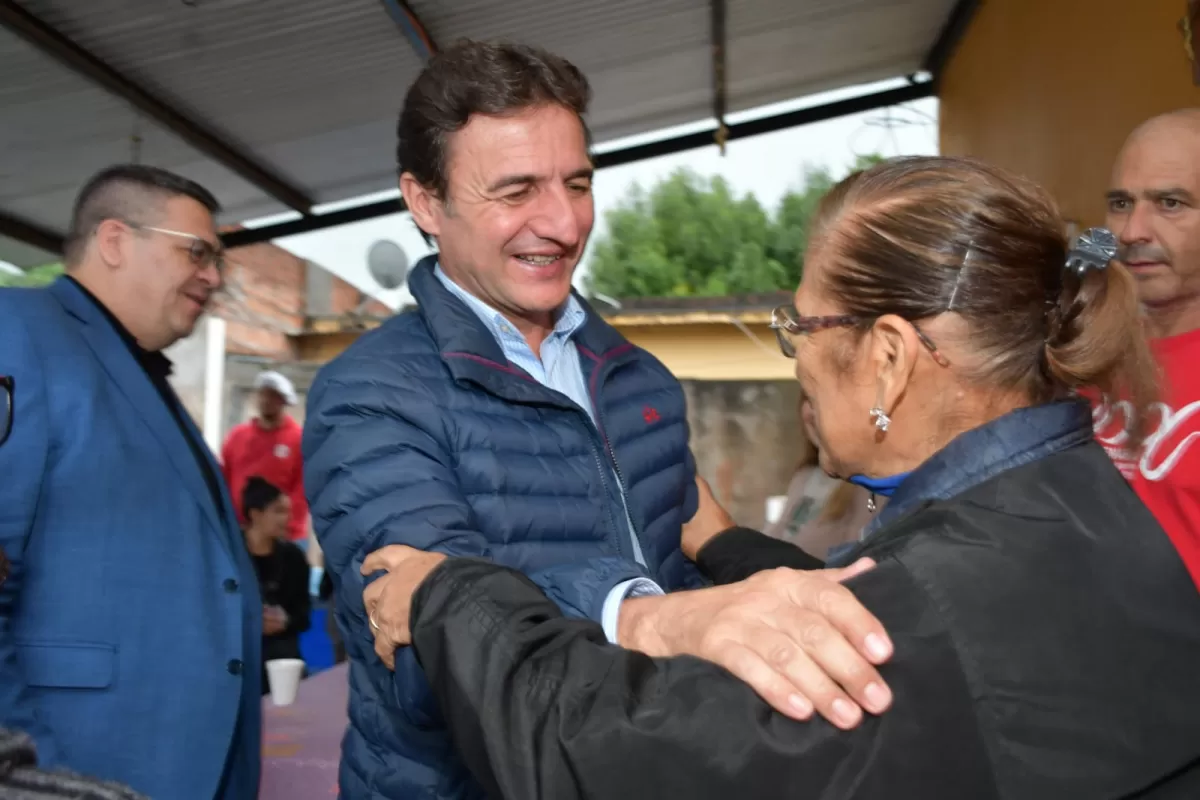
x,y
1019,437
570,318
155,363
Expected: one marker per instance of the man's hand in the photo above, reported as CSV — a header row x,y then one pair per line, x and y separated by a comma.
x,y
389,599
799,639
709,520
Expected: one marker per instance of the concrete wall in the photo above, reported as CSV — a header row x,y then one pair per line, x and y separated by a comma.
x,y
714,351
747,440
1051,89
198,374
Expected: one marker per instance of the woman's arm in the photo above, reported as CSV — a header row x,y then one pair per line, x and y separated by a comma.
x,y
727,553
737,553
540,706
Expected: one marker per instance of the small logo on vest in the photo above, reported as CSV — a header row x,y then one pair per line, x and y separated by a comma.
x,y
650,414
282,451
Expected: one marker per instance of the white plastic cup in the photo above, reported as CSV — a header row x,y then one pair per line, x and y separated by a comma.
x,y
283,678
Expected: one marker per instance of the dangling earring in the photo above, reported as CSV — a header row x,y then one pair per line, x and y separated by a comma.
x,y
882,420
871,503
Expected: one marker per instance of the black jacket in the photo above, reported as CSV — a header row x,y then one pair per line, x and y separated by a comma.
x,y
1047,646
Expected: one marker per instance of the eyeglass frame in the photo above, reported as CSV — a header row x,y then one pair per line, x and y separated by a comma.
x,y
213,254
784,321
7,388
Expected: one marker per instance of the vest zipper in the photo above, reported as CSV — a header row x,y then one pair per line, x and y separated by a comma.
x,y
612,454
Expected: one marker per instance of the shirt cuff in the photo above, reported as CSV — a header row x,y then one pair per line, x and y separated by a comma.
x,y
638,587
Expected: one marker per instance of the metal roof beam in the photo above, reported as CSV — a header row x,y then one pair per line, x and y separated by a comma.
x,y
717,7
948,40
413,29
31,234
613,158
53,43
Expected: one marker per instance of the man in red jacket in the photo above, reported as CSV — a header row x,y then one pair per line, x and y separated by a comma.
x,y
269,446
1154,210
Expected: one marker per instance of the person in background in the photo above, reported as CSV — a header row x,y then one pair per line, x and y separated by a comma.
x,y
1154,210
822,515
283,572
1047,633
130,622
269,446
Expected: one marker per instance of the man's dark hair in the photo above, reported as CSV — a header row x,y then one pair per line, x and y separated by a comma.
x,y
473,77
128,192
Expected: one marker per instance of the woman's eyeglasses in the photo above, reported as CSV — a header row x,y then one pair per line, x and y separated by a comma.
x,y
787,323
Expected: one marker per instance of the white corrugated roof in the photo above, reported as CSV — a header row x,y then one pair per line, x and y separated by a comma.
x,y
310,89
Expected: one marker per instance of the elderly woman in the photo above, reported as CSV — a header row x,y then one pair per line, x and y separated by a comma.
x,y
1046,634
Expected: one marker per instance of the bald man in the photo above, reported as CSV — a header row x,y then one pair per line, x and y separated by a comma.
x,y
1154,209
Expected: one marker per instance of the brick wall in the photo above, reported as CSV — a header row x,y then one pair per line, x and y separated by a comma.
x,y
265,302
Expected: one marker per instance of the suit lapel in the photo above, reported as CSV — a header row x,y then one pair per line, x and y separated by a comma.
x,y
133,382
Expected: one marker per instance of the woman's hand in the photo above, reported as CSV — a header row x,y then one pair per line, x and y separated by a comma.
x,y
709,520
388,600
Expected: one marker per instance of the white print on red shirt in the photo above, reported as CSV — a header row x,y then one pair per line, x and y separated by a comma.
x,y
1163,448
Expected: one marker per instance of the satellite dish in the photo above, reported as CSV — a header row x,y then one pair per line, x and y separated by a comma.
x,y
387,263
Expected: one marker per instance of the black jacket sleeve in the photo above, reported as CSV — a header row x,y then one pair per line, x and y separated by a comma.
x,y
295,598
540,706
736,554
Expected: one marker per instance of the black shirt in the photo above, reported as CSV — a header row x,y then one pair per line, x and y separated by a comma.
x,y
283,576
158,368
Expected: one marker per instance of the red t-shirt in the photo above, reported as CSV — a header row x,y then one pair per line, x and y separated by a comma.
x,y
1166,470
273,455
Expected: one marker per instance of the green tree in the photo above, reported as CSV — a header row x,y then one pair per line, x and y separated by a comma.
x,y
792,222
692,236
687,236
34,276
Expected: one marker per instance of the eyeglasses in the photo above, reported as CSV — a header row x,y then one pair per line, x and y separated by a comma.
x,y
201,253
6,407
787,323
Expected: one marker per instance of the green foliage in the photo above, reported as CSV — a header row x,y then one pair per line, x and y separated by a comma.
x,y
691,236
34,276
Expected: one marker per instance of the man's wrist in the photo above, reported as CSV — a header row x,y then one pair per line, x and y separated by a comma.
x,y
636,626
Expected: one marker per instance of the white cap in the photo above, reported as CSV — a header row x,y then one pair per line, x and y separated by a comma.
x,y
278,383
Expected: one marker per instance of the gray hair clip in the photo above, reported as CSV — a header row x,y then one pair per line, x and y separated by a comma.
x,y
1092,249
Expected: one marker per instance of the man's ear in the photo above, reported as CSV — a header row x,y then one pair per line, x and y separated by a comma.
x,y
110,240
425,207
894,350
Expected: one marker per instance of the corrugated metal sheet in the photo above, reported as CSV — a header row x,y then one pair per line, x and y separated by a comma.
x,y
783,49
311,88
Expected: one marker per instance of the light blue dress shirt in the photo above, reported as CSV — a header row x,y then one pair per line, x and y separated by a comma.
x,y
559,369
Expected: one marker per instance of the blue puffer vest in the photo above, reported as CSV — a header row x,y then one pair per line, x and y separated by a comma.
x,y
422,433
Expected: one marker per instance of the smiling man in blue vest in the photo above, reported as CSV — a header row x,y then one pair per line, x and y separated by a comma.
x,y
503,419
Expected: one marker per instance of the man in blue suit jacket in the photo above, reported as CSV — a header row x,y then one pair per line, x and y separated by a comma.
x,y
130,623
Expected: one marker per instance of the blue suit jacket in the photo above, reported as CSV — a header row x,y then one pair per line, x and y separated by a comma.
x,y
131,623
